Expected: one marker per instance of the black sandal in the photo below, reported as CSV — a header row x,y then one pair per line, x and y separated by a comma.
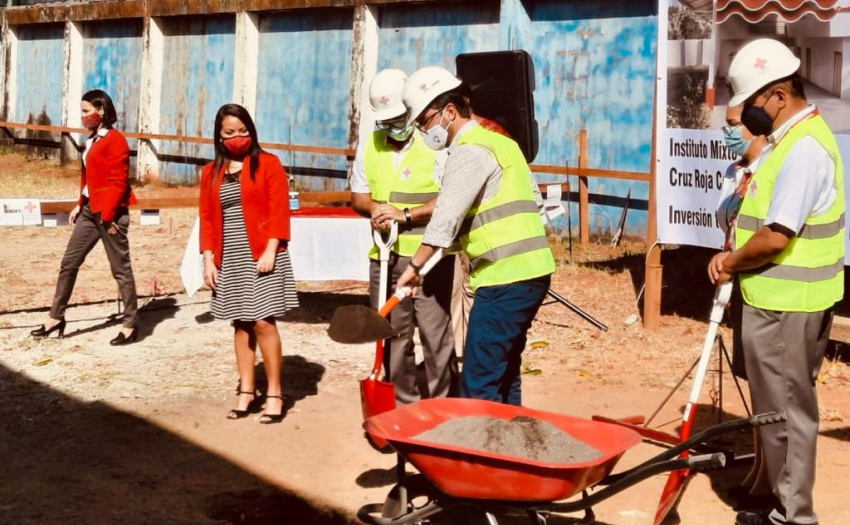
x,y
252,407
271,419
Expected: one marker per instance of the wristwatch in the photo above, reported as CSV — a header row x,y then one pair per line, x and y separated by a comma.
x,y
416,267
407,216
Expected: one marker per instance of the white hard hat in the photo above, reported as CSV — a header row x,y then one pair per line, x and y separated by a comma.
x,y
424,86
385,94
756,65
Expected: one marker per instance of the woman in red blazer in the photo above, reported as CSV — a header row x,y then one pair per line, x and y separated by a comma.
x,y
244,213
101,214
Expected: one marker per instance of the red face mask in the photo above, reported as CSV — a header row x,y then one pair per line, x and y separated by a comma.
x,y
92,121
238,146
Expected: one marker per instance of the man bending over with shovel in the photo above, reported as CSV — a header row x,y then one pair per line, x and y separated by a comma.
x,y
488,201
395,182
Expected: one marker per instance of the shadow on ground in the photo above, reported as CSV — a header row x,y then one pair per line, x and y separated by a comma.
x,y
318,307
67,462
686,290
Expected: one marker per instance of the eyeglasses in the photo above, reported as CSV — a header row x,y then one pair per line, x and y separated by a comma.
x,y
423,122
397,123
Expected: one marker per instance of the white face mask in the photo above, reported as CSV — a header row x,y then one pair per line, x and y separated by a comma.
x,y
437,137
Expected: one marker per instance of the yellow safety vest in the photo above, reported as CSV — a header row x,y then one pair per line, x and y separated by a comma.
x,y
409,185
808,276
505,237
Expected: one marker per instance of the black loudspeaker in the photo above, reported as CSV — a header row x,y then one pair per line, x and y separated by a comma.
x,y
502,89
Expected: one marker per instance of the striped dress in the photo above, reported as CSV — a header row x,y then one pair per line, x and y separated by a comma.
x,y
241,294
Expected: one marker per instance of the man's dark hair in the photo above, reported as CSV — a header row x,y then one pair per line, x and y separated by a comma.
x,y
793,84
100,100
455,97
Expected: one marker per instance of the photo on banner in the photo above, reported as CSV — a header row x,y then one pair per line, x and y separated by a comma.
x,y
697,40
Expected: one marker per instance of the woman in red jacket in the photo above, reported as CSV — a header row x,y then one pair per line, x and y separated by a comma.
x,y
101,214
244,213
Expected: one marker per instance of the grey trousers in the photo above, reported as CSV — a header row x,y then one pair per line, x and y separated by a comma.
x,y
462,298
429,310
87,231
783,353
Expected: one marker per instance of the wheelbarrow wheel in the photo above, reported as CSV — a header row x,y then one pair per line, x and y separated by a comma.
x,y
420,492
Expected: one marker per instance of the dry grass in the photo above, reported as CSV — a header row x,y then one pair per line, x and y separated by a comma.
x,y
23,177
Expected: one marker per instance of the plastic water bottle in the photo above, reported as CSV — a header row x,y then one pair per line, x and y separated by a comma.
x,y
294,203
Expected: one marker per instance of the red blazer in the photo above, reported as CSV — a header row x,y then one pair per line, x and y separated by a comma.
x,y
265,202
107,174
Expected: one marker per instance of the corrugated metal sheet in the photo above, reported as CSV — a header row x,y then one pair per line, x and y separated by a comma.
x,y
198,68
112,61
303,90
595,70
411,37
40,69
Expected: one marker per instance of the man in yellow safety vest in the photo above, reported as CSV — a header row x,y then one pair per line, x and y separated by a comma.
x,y
397,178
789,258
489,201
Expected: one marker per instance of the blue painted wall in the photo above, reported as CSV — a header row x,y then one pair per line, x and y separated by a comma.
x,y
595,70
303,91
410,37
40,69
112,61
198,67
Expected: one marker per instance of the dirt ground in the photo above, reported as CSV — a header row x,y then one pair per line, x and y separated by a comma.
x,y
91,434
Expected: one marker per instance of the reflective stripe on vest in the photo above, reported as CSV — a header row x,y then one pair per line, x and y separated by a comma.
x,y
408,185
505,237
809,231
808,276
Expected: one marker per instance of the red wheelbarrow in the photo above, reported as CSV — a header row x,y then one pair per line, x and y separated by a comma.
x,y
488,483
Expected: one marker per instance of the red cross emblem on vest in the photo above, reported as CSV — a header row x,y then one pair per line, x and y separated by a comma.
x,y
761,63
406,173
384,101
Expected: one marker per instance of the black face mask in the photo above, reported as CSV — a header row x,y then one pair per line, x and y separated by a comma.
x,y
757,120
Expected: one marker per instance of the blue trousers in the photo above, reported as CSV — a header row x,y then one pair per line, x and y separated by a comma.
x,y
498,323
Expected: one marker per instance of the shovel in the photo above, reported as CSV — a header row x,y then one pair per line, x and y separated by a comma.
x,y
677,478
378,396
358,324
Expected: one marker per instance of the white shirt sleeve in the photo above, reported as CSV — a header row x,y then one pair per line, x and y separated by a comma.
x,y
358,182
805,186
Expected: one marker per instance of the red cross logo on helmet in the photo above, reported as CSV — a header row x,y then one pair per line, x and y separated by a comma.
x,y
761,63
423,87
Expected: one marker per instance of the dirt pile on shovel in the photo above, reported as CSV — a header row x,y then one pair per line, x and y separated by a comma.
x,y
522,437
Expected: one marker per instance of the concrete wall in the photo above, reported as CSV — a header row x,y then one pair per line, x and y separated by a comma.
x,y
303,66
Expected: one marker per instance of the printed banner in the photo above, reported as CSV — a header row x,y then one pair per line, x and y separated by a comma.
x,y
20,212
696,43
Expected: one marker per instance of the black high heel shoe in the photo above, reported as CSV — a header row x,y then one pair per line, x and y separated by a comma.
x,y
121,339
253,406
271,419
44,332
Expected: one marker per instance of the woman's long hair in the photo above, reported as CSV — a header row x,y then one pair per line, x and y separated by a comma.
x,y
234,110
100,100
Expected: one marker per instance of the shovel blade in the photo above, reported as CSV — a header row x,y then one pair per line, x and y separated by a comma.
x,y
357,324
376,397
